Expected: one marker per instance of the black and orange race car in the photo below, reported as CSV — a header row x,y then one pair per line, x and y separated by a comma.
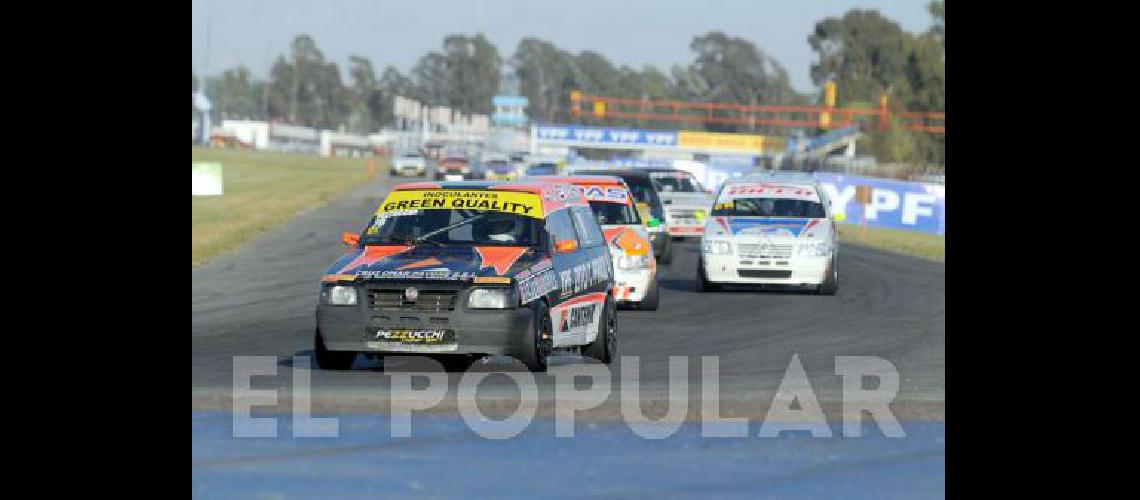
x,y
459,270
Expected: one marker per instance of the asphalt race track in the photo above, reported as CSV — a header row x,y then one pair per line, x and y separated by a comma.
x,y
260,302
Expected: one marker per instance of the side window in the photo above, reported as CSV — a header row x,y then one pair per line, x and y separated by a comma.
x,y
560,228
589,234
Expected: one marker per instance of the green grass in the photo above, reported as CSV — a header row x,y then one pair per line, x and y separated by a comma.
x,y
262,191
927,246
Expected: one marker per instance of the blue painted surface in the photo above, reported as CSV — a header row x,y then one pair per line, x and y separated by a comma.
x,y
913,206
446,459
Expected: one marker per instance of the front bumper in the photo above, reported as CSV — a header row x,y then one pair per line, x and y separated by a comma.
x,y
476,331
786,271
630,286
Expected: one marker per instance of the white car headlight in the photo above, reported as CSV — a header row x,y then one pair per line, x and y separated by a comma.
x,y
822,249
342,295
632,262
491,298
716,247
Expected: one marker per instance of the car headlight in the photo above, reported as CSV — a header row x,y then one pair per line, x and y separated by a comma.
x,y
632,262
716,247
822,249
341,295
491,298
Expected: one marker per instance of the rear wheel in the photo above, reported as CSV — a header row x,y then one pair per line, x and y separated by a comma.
x,y
652,297
331,360
539,341
666,253
604,347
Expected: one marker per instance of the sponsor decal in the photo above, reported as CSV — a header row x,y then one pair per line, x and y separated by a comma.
x,y
436,336
584,276
500,258
721,141
492,280
537,285
768,190
431,274
526,204
627,240
612,194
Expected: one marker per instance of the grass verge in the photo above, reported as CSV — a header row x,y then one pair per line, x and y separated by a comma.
x,y
262,191
925,245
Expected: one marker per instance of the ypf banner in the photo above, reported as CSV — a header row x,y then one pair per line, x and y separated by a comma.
x,y
913,206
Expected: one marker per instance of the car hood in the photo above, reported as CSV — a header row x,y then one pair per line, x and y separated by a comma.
x,y
631,239
433,263
769,227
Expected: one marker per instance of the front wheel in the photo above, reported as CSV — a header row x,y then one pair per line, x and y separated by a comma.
x,y
830,285
604,347
703,284
331,360
539,340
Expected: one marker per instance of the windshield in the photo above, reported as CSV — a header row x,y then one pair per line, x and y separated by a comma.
x,y
460,226
643,192
614,213
677,182
769,207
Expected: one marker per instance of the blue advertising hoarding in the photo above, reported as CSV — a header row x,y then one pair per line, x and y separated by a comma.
x,y
912,206
607,136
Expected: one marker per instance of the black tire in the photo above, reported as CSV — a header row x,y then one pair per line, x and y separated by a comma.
x,y
604,347
331,360
456,362
652,297
666,253
536,349
702,283
830,285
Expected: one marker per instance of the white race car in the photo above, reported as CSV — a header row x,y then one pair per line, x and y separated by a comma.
x,y
685,201
764,231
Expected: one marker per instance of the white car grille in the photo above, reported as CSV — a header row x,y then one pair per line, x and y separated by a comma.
x,y
765,251
683,217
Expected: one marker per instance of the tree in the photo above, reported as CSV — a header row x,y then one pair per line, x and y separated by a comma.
x,y
235,94
305,89
365,96
737,71
546,77
464,76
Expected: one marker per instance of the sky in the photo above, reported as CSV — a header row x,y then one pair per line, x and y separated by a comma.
x,y
228,33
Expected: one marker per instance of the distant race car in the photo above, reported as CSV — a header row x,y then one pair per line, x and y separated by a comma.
x,y
648,203
460,270
687,204
499,170
409,164
635,266
453,168
770,232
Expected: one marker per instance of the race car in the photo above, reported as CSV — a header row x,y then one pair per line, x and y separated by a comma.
x,y
770,232
409,164
460,270
635,266
648,203
499,170
453,167
686,202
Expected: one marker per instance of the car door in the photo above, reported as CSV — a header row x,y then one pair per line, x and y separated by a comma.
x,y
560,229
594,275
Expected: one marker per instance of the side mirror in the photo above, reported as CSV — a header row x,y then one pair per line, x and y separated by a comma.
x,y
565,246
350,239
839,217
652,222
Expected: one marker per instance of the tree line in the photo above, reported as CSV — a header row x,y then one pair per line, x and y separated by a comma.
x,y
865,53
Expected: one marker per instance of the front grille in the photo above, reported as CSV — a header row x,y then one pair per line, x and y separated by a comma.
x,y
427,301
763,273
765,251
